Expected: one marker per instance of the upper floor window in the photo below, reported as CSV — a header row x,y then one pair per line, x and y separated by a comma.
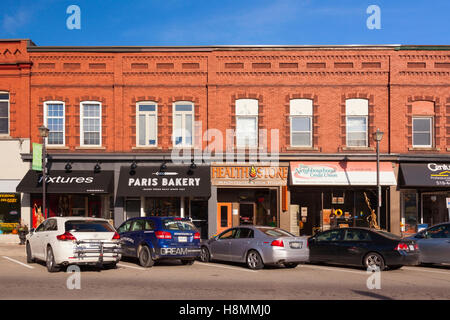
x,y
246,123
422,131
147,124
422,123
4,113
357,111
183,123
54,120
301,113
91,123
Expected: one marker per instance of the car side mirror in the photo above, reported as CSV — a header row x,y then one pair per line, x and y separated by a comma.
x,y
421,235
32,230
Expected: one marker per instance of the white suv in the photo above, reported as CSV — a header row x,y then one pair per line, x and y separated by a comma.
x,y
60,241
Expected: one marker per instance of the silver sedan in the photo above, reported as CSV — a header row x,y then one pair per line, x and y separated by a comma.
x,y
256,246
434,244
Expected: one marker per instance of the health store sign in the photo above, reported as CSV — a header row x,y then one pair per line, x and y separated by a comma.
x,y
249,175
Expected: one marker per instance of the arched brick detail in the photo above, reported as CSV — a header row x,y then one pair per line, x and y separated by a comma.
x,y
439,131
370,117
169,123
287,123
261,114
132,116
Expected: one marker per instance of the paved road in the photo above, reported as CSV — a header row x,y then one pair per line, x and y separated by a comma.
x,y
171,280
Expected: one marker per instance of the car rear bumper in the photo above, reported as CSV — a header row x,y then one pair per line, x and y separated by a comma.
x,y
88,253
190,252
279,256
403,258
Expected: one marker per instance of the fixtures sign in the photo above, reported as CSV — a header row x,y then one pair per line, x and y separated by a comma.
x,y
60,179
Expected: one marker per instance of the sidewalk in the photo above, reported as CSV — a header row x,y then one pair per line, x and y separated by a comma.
x,y
9,239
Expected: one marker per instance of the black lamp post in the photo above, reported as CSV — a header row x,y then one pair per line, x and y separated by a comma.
x,y
43,132
377,136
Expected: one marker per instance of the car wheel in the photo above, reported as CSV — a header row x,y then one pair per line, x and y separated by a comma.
x,y
188,262
109,266
290,265
205,256
426,264
30,258
50,261
395,267
254,260
145,257
373,259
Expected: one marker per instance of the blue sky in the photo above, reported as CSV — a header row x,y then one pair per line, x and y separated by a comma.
x,y
226,22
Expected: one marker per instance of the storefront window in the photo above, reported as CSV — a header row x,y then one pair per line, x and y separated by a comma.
x,y
409,210
435,208
9,211
163,206
336,208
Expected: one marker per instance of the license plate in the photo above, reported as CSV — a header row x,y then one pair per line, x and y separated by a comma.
x,y
411,247
182,239
296,245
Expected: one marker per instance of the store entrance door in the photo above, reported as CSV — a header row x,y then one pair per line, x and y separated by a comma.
x,y
133,208
224,220
246,213
434,208
95,209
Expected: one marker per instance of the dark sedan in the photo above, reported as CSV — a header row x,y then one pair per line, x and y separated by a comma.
x,y
363,247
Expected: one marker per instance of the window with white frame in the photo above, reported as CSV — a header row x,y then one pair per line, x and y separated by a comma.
x,y
246,123
147,124
301,113
4,112
422,131
183,123
357,111
54,120
91,123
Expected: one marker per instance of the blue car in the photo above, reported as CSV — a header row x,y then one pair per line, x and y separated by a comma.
x,y
152,238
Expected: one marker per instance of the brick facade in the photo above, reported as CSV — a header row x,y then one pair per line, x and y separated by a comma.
x,y
213,78
397,82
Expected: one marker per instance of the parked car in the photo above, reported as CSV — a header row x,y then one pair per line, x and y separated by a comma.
x,y
256,246
434,244
152,238
363,247
62,241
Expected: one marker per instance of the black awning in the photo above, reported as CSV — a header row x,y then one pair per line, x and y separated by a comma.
x,y
175,181
60,181
424,175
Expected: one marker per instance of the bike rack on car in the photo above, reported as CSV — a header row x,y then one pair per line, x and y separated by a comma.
x,y
96,248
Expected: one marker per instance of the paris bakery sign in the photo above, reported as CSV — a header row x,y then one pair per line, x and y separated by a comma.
x,y
172,181
249,175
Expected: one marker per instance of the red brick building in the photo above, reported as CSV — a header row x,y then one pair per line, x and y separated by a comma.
x,y
114,105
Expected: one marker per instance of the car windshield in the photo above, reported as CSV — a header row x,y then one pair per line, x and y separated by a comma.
x,y
275,232
88,226
182,225
388,235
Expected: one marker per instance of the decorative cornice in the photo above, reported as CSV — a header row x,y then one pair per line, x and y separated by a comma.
x,y
425,57
69,57
55,73
167,57
425,73
301,57
295,73
166,73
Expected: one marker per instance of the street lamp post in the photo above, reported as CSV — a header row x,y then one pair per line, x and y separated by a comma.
x,y
43,132
377,136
